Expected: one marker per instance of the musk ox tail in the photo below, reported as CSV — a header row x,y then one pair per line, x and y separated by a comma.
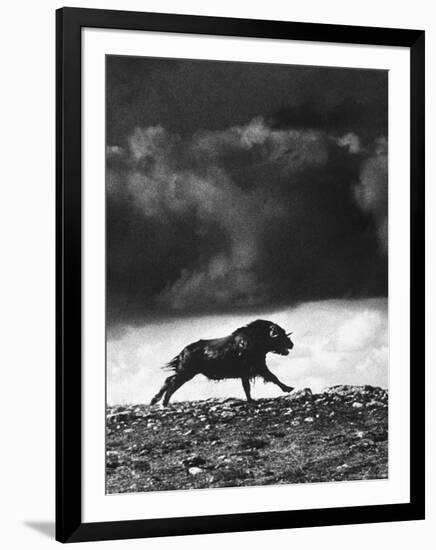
x,y
173,364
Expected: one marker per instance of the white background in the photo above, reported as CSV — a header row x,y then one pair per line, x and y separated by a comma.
x,y
27,274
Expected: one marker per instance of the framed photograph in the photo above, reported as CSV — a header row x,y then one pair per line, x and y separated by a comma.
x,y
240,275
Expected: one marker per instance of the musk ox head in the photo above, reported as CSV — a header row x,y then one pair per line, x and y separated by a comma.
x,y
269,336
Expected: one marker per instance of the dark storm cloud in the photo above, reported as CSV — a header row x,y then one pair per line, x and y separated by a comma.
x,y
372,191
187,95
221,196
340,101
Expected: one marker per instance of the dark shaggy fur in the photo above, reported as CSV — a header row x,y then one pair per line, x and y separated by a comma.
x,y
240,355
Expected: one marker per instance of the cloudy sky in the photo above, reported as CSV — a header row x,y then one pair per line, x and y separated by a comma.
x,y
237,191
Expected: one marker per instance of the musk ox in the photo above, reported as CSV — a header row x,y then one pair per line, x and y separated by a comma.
x,y
240,355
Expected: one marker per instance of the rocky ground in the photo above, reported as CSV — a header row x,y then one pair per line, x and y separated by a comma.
x,y
340,434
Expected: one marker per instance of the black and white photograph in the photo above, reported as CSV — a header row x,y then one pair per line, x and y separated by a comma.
x,y
247,274
217,264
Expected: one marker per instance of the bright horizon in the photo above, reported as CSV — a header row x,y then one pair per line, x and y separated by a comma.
x,y
336,342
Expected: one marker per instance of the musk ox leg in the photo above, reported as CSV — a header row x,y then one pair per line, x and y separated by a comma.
x,y
247,389
174,383
163,389
268,376
166,386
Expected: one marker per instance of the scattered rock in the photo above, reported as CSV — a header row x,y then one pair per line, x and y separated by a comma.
x,y
141,464
304,394
346,390
112,459
380,435
194,461
294,438
117,417
253,443
194,470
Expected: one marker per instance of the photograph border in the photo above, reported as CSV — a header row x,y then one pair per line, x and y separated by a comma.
x,y
69,295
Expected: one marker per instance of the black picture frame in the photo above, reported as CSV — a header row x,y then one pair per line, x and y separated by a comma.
x,y
69,525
